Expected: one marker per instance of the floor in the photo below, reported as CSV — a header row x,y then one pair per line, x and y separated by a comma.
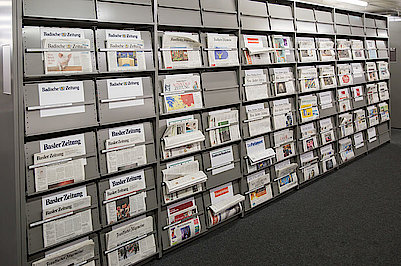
x,y
352,216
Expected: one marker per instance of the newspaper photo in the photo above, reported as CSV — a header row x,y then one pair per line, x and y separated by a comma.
x,y
257,50
285,151
181,50
184,230
310,171
222,49
287,182
126,51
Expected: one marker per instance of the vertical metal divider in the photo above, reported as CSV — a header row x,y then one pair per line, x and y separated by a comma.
x,y
389,80
157,136
364,62
336,118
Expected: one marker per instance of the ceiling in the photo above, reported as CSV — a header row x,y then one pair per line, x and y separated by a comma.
x,y
385,7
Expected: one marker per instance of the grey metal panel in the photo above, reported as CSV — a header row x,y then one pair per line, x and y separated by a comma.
x,y
325,28
93,237
305,14
219,5
34,61
303,26
192,4
34,214
343,29
219,20
329,111
281,25
151,198
357,31
356,20
382,33
383,128
342,19
381,23
220,88
382,53
361,150
370,22
103,135
280,11
107,115
179,17
359,104
384,138
72,9
36,124
253,8
374,144
324,16
371,32
123,12
91,168
357,80
102,56
254,23
224,177
163,221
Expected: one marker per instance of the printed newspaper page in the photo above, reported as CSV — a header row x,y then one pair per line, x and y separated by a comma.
x,y
259,119
257,50
222,49
181,50
256,86
224,126
124,88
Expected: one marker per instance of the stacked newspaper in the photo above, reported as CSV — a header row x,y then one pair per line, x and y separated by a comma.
x,y
344,49
344,100
383,110
360,120
309,140
346,150
222,49
371,71
382,66
372,93
282,48
359,142
309,109
182,93
66,51
256,85
326,49
257,50
327,77
373,116
181,50
130,242
371,134
125,147
345,124
358,52
125,50
328,158
358,73
282,114
371,49
344,74
310,167
56,165
125,196
259,186
258,155
326,131
308,78
258,119
286,173
181,136
224,204
357,93
307,49
183,221
325,100
223,126
284,144
283,81
66,215
383,91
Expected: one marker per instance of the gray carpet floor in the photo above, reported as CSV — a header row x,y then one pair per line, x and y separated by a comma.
x,y
352,216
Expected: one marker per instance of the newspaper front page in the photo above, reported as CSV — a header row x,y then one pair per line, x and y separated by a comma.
x,y
223,49
181,50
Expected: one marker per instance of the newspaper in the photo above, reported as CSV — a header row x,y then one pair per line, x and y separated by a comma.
x,y
256,86
307,158
307,49
285,168
255,147
184,230
222,160
358,52
124,88
224,203
327,77
371,49
344,74
345,123
258,184
383,70
360,120
287,182
325,124
285,151
372,93
69,255
225,215
181,166
308,130
346,151
222,49
327,151
325,100
326,50
124,205
182,92
258,180
258,119
309,144
372,134
308,108
283,80
358,140
357,93
344,103
129,253
125,59
373,117
371,71
344,49
282,46
308,78
383,91
329,163
125,140
59,174
223,126
282,114
310,171
181,50
283,136
358,73
384,113
256,49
